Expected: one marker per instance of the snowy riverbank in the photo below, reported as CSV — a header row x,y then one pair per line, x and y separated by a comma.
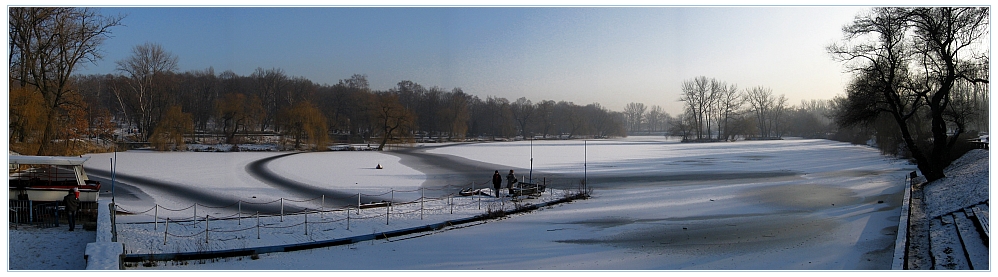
x,y
658,205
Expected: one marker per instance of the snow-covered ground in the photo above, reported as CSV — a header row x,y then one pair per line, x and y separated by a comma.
x,y
225,174
658,205
33,248
965,185
943,232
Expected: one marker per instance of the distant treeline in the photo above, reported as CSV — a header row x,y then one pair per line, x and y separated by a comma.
x,y
268,101
56,112
148,100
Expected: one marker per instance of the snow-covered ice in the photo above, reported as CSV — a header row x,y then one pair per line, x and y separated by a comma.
x,y
658,205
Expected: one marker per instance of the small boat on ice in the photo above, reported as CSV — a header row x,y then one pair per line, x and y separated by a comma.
x,y
470,192
49,178
523,188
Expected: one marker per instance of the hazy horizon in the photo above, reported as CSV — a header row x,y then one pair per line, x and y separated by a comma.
x,y
609,55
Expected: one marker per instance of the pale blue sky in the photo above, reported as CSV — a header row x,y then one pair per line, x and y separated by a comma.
x,y
610,55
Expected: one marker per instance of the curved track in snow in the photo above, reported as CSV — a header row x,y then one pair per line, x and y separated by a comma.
x,y
131,189
258,169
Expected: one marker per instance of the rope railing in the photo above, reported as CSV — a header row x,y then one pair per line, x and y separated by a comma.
x,y
406,191
206,231
240,214
155,209
310,217
119,208
381,194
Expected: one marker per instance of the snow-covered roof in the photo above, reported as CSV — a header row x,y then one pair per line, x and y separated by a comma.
x,y
52,160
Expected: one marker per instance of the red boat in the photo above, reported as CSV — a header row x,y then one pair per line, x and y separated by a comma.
x,y
49,178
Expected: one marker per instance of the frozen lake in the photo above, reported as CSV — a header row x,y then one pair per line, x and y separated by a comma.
x,y
658,204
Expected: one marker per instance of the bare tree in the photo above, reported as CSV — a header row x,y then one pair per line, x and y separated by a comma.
x,y
811,119
146,68
199,90
699,101
572,119
655,118
763,105
46,45
603,122
729,103
545,115
498,118
237,112
395,121
430,111
271,84
522,111
907,62
456,113
779,113
347,104
635,116
682,126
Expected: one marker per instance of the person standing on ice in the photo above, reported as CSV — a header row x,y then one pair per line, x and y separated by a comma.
x,y
496,182
510,179
72,204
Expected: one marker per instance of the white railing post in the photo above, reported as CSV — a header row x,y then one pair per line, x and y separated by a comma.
x,y
155,216
195,215
166,230
358,203
348,217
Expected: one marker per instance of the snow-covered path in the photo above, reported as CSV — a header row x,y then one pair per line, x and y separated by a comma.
x,y
48,248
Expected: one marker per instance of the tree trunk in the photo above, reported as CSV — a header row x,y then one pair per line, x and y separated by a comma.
x,y
44,144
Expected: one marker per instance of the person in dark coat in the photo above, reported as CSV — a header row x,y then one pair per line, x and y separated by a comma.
x,y
496,182
72,204
510,179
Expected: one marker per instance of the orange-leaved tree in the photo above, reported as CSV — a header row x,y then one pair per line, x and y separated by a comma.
x,y
46,45
169,133
304,123
27,119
